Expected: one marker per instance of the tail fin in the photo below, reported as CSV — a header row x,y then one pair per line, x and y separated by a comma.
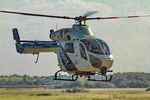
x,y
16,34
17,38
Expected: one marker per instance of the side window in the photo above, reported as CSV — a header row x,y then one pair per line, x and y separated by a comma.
x,y
69,48
82,52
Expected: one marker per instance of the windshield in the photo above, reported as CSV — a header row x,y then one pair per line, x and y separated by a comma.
x,y
105,46
93,46
96,46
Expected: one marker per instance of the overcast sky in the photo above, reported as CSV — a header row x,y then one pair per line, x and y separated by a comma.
x,y
129,39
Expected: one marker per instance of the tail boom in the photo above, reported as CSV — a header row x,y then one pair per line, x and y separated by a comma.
x,y
33,47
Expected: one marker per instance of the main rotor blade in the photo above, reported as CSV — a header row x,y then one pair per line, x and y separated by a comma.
x,y
117,17
89,13
39,15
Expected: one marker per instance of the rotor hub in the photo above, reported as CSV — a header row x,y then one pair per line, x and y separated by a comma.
x,y
81,20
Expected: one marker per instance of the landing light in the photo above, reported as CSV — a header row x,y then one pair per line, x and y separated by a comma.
x,y
111,56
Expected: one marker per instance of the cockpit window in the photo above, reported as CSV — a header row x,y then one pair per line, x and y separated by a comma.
x,y
105,46
93,46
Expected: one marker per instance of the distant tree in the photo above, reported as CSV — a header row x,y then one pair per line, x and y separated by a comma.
x,y
120,80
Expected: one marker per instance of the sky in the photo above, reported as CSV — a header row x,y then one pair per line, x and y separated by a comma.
x,y
129,39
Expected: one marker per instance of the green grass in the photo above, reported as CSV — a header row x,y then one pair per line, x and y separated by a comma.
x,y
94,94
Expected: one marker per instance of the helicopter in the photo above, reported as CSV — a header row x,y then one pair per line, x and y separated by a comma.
x,y
79,52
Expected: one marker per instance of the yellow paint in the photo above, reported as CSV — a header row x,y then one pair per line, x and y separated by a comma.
x,y
37,50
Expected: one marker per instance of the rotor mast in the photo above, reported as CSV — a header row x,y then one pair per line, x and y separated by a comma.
x,y
80,20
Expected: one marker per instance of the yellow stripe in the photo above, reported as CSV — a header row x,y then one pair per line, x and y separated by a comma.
x,y
37,50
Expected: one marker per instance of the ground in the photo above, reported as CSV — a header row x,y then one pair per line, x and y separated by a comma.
x,y
58,94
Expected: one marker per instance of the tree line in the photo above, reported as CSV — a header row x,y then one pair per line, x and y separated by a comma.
x,y
120,80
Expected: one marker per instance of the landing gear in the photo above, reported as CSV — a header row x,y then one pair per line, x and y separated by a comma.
x,y
107,78
103,71
74,77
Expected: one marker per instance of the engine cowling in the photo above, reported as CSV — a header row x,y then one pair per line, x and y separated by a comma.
x,y
59,35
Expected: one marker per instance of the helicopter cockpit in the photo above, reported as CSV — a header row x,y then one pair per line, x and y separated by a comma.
x,y
96,49
96,46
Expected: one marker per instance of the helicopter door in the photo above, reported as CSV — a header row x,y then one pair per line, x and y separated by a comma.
x,y
76,54
70,51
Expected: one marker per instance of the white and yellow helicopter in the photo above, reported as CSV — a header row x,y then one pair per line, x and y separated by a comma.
x,y
79,52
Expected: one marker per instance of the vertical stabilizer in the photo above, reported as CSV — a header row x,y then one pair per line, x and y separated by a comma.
x,y
16,34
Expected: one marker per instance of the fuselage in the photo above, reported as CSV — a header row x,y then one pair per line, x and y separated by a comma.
x,y
80,51
86,55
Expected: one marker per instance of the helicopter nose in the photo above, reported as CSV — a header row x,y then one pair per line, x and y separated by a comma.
x,y
108,61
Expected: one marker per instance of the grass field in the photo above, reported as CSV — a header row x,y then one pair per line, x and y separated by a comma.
x,y
57,94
